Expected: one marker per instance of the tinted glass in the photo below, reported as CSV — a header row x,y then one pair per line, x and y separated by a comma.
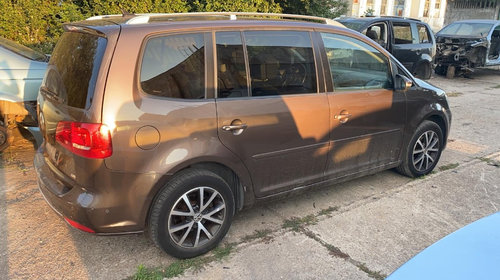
x,y
174,66
231,72
73,68
423,34
354,64
281,62
402,33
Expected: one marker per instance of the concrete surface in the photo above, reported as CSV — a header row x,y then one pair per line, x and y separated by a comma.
x,y
378,223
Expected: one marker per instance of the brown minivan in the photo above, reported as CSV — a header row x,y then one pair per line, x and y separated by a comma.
x,y
170,123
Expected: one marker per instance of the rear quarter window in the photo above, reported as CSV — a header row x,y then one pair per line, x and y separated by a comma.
x,y
73,68
423,34
174,66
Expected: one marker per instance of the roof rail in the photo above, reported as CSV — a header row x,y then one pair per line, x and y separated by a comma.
x,y
408,18
144,18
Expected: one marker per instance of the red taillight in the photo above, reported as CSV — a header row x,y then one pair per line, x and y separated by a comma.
x,y
91,140
78,226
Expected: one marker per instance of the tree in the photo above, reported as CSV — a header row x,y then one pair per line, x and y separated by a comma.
x,y
38,23
321,8
264,6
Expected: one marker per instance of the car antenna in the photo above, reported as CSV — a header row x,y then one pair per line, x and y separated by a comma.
x,y
126,13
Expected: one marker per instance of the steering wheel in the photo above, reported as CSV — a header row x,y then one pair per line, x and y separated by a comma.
x,y
294,75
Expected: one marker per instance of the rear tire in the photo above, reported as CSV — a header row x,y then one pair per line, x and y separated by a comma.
x,y
423,71
187,230
423,151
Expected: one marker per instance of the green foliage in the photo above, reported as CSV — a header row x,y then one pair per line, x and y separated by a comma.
x,y
321,8
264,6
38,23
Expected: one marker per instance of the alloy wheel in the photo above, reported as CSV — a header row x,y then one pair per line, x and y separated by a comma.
x,y
425,151
196,217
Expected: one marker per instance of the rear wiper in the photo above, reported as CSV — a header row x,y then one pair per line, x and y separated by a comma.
x,y
51,95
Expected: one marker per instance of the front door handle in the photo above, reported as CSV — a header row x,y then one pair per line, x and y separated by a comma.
x,y
343,117
236,127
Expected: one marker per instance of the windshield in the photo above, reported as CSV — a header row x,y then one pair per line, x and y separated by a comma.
x,y
22,50
467,29
354,25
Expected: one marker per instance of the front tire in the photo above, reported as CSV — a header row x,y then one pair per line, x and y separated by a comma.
x,y
423,151
192,213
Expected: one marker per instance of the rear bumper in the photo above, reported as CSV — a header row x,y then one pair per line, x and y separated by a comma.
x,y
120,206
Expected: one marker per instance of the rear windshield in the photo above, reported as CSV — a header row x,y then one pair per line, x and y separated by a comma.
x,y
467,29
73,68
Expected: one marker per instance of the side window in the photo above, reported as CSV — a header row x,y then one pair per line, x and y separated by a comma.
x,y
231,72
377,33
281,62
174,66
423,34
355,65
402,33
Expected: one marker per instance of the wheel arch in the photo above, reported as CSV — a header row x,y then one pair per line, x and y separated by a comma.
x,y
239,181
439,120
424,60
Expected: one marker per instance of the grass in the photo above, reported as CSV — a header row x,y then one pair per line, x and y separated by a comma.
x,y
180,266
334,251
425,176
497,86
490,161
328,211
296,223
448,166
258,234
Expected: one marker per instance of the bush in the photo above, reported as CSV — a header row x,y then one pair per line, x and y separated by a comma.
x,y
38,23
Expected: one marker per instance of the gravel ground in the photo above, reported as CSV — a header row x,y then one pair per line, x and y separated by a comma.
x,y
373,224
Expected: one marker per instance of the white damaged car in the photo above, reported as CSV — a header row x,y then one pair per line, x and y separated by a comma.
x,y
21,73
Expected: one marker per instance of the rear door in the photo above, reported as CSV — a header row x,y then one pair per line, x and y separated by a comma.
x,y
270,112
367,115
425,40
405,46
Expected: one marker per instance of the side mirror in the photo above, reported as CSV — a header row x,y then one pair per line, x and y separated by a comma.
x,y
402,83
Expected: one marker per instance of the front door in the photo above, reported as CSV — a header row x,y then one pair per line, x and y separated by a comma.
x,y
367,116
276,122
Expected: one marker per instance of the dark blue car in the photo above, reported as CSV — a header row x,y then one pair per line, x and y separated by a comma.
x,y
411,41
